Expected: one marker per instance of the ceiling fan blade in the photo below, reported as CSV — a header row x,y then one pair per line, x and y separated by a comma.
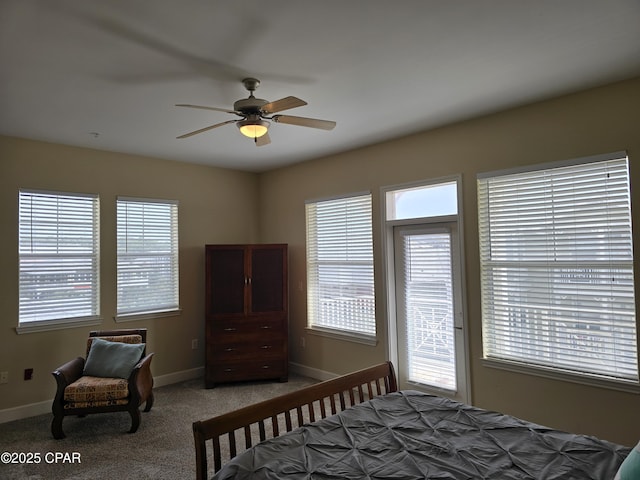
x,y
263,140
305,122
216,109
204,65
283,104
205,129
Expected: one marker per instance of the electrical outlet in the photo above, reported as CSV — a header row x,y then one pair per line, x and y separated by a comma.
x,y
194,344
303,342
4,377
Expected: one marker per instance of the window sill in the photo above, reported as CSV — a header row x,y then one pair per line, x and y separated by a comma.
x,y
132,317
47,325
565,376
343,335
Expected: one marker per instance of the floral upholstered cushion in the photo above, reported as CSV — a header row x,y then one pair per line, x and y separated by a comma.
x,y
90,391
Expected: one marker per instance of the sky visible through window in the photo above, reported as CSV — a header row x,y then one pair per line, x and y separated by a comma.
x,y
424,201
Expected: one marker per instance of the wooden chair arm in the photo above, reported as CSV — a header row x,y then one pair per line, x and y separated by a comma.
x,y
69,372
65,375
141,380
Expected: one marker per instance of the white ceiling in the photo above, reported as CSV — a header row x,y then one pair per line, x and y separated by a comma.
x,y
106,74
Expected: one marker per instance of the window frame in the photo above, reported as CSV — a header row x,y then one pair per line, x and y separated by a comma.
x,y
312,327
66,321
172,308
550,371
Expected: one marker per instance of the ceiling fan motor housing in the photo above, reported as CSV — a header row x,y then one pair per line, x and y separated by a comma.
x,y
249,105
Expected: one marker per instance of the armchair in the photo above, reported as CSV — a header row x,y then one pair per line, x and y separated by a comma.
x,y
81,394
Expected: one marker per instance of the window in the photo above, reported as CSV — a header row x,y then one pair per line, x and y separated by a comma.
x,y
147,256
422,201
340,266
59,259
557,268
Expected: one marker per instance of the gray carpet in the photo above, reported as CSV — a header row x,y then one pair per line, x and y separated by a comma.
x,y
162,448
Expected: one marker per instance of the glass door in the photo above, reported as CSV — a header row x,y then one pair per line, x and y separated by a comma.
x,y
430,333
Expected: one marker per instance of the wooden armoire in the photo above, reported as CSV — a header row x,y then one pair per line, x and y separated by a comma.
x,y
246,313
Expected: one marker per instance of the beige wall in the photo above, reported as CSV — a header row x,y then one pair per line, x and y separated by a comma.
x,y
598,121
215,206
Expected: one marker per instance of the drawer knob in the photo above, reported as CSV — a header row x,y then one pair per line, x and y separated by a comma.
x,y
265,367
265,327
229,349
266,347
229,329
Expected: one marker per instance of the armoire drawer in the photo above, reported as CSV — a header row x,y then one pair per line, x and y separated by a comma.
x,y
231,351
254,370
247,326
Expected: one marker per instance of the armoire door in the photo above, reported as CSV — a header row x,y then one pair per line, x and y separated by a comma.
x,y
267,278
226,280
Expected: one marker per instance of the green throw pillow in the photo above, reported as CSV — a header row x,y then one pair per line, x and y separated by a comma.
x,y
112,359
630,468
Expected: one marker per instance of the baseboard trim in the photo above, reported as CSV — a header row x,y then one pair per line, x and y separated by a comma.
x,y
40,408
177,377
311,372
25,411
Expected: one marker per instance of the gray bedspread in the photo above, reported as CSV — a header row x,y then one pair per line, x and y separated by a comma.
x,y
411,435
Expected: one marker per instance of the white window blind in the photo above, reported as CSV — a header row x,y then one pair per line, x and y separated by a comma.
x,y
58,256
557,268
147,256
340,287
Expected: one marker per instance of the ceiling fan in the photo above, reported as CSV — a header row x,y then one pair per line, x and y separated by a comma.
x,y
255,114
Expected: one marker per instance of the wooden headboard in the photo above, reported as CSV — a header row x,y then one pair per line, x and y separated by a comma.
x,y
287,412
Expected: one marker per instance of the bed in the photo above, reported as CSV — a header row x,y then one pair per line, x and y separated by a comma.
x,y
360,426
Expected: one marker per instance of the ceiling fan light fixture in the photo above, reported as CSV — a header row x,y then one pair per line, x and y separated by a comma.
x,y
253,128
